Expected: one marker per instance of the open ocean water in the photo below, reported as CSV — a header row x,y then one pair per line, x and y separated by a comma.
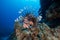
x,y
12,9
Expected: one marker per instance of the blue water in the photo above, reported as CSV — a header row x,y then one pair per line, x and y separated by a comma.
x,y
9,12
